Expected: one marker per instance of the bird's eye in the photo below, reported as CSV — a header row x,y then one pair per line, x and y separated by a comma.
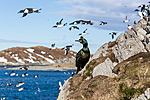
x,y
80,41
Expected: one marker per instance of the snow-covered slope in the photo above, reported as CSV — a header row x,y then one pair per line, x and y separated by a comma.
x,y
38,55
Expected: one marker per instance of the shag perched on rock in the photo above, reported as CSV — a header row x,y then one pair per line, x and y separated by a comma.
x,y
83,55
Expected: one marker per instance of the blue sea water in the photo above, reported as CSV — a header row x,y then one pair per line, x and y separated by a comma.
x,y
44,87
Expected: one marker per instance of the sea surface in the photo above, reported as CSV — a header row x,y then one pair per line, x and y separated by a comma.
x,y
44,87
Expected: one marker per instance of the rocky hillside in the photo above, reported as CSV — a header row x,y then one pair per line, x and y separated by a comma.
x,y
119,70
38,55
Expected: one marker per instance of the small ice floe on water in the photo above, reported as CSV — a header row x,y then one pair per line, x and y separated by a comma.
x,y
64,72
20,89
6,73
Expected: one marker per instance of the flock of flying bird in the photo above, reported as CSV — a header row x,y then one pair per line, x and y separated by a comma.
x,y
144,11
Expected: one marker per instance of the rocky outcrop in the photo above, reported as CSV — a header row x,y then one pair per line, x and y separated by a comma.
x,y
117,69
38,55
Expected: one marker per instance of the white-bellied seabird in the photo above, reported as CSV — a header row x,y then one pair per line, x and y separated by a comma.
x,y
76,22
126,20
13,74
103,23
87,22
67,48
28,10
25,74
20,89
73,73
9,84
60,86
129,27
143,7
112,34
19,84
24,68
53,46
140,13
35,76
84,32
73,27
59,24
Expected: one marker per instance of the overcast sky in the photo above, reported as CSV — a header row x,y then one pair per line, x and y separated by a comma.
x,y
36,29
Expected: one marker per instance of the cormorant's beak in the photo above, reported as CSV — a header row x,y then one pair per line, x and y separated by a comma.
x,y
78,41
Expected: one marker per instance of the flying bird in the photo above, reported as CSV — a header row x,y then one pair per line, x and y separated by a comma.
x,y
13,74
24,68
126,20
53,46
139,13
83,55
143,7
9,84
59,24
84,32
28,10
73,73
36,76
20,89
76,22
87,22
67,48
112,34
25,74
19,84
103,23
73,27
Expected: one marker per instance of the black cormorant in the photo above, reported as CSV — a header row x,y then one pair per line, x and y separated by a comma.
x,y
83,55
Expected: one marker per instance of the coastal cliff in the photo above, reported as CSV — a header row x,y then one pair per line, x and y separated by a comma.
x,y
119,70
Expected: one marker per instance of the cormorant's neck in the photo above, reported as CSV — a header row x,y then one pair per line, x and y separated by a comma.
x,y
85,45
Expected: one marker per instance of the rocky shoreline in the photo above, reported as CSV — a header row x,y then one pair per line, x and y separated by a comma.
x,y
44,68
